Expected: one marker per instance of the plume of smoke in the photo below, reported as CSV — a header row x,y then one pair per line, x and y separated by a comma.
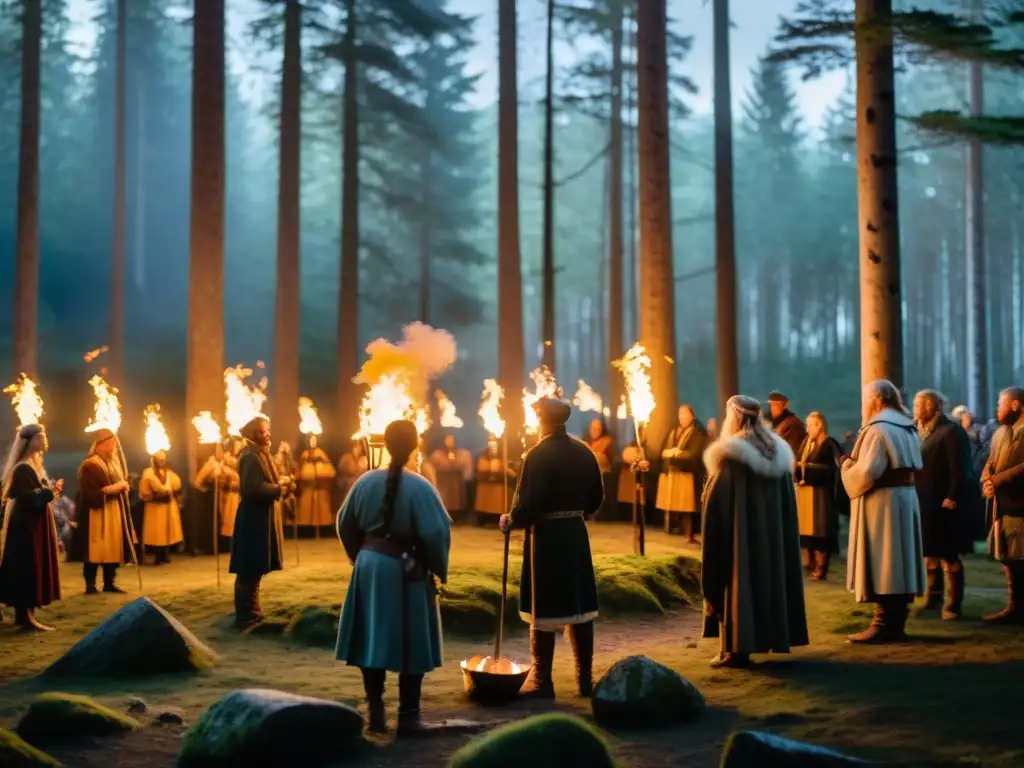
x,y
422,356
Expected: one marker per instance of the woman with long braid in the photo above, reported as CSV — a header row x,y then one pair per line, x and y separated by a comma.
x,y
29,576
395,529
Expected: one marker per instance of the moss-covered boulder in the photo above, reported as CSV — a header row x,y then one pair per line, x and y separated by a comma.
x,y
140,640
544,741
315,626
271,728
640,693
15,752
755,749
54,718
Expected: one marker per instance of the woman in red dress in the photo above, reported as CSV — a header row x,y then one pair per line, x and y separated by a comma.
x,y
29,576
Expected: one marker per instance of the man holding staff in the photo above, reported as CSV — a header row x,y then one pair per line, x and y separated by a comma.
x,y
101,534
559,487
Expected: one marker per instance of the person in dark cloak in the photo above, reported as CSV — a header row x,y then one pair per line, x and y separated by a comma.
x,y
559,489
29,572
396,531
258,541
750,573
102,533
786,424
949,496
820,497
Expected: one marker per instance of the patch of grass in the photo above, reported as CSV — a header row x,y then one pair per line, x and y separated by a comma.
x,y
544,741
56,717
15,752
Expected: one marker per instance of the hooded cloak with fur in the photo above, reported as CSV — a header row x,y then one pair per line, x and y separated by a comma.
x,y
752,575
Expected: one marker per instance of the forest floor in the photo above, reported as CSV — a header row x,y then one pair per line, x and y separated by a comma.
x,y
952,696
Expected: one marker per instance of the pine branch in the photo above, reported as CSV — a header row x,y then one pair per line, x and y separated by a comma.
x,y
1005,131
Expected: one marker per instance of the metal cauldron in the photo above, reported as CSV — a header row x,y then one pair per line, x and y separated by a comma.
x,y
495,679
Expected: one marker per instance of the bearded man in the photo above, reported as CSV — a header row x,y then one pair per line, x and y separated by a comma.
x,y
786,424
1002,484
946,491
751,573
885,560
258,543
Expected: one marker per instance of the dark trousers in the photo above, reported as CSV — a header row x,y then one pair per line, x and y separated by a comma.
x,y
89,571
247,601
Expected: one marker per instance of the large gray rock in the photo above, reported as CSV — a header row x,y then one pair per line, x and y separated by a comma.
x,y
140,640
755,749
640,693
271,728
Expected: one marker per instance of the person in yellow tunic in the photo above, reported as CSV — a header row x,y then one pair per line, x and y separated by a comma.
x,y
101,535
682,474
316,476
159,488
221,470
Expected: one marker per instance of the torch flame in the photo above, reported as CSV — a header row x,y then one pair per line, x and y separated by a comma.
x,y
309,420
388,400
622,411
634,366
544,386
490,411
207,427
107,412
26,401
244,403
586,399
156,436
448,418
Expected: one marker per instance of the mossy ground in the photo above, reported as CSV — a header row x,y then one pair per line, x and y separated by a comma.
x,y
15,752
54,718
951,695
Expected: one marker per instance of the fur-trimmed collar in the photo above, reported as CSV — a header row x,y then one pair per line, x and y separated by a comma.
x,y
739,448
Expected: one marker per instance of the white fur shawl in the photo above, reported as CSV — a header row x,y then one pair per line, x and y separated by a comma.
x,y
740,449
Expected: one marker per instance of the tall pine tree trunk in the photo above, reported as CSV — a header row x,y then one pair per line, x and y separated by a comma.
x,y
726,342
510,279
615,275
348,303
881,341
287,298
657,284
117,259
204,389
979,395
632,302
26,265
426,241
548,279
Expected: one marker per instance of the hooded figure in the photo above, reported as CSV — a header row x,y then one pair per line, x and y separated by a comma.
x,y
751,574
559,488
102,536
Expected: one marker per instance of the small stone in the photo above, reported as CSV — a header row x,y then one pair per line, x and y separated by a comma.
x,y
137,706
692,645
169,716
640,693
751,749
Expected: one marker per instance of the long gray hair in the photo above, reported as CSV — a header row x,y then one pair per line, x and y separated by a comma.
x,y
888,393
19,450
746,411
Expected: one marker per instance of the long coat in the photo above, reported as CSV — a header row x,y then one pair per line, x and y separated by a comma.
x,y
1005,468
947,473
373,632
885,555
751,572
681,479
161,521
820,495
258,539
559,487
316,479
111,541
29,573
789,427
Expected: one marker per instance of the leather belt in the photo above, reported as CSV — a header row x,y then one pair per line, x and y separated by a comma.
x,y
901,477
561,515
395,548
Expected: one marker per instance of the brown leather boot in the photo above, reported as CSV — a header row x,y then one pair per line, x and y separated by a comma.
x,y
933,588
1013,613
246,604
582,638
542,658
888,625
954,574
373,687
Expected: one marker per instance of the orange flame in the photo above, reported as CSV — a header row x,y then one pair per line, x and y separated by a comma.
x,y
156,436
309,419
634,366
622,411
448,418
244,403
389,399
586,399
490,406
107,411
26,401
544,386
207,427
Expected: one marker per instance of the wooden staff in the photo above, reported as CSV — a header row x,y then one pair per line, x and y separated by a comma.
x,y
504,485
216,525
639,496
126,518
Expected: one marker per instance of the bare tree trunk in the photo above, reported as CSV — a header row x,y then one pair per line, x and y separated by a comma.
x,y
633,269
615,277
205,381
510,279
881,348
726,342
287,299
426,243
140,186
348,303
26,266
548,299
979,395
657,284
115,363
